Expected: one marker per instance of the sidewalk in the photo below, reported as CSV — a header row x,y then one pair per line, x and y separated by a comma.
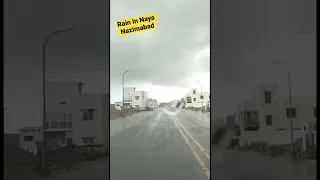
x,y
79,166
116,126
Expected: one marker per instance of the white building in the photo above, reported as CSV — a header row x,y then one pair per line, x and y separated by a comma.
x,y
118,105
140,100
29,137
152,103
75,117
196,99
208,105
265,117
135,99
128,97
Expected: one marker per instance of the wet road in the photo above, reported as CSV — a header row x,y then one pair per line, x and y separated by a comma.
x,y
233,165
161,144
95,171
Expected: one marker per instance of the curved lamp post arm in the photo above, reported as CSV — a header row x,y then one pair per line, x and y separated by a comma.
x,y
123,90
126,72
49,36
45,42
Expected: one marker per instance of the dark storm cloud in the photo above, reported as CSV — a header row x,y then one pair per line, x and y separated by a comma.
x,y
249,27
79,55
167,56
246,34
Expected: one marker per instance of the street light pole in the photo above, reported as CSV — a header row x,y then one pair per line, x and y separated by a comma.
x,y
290,106
44,45
123,90
201,96
290,103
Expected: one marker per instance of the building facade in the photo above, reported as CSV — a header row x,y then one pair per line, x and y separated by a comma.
x,y
152,103
134,99
196,99
128,97
118,105
140,100
266,116
29,138
75,117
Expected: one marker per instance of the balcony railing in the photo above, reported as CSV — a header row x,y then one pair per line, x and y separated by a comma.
x,y
59,121
58,125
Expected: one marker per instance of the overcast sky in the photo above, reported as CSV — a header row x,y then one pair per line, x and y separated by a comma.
x,y
245,35
248,33
166,62
79,55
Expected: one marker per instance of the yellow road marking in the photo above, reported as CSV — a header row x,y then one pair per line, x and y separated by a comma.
x,y
195,154
191,137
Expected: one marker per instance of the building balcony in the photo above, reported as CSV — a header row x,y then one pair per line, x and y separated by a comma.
x,y
58,126
59,122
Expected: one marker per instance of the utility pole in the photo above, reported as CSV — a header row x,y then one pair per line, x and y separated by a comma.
x,y
123,91
44,45
290,105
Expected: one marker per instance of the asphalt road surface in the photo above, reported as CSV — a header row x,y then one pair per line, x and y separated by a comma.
x,y
233,165
163,144
94,171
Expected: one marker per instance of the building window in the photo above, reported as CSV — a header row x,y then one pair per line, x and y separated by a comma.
x,y
69,124
137,106
87,140
281,129
194,99
194,91
87,114
315,112
251,117
54,124
69,141
251,121
28,138
69,117
201,97
269,120
267,97
137,97
63,103
293,112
